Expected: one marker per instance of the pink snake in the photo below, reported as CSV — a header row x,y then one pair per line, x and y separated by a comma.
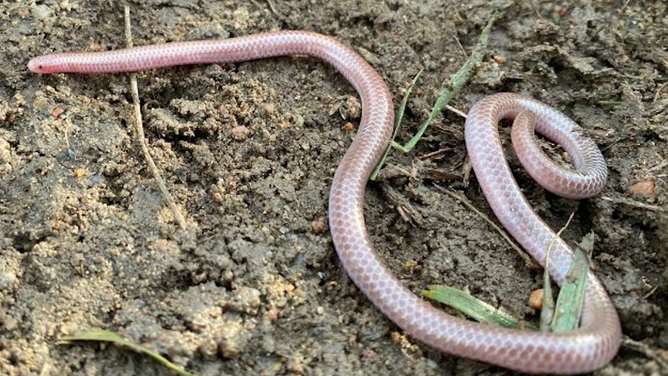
x,y
587,349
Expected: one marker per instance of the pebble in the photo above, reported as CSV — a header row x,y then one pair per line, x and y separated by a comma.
x,y
536,299
644,188
6,278
42,12
240,133
319,225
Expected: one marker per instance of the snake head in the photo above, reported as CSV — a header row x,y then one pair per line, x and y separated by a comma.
x,y
46,64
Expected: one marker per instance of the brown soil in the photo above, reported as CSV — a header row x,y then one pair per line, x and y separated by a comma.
x,y
248,150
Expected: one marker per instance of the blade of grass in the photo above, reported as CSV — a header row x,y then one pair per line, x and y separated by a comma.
x,y
565,315
547,312
562,318
449,89
107,336
470,306
571,296
397,121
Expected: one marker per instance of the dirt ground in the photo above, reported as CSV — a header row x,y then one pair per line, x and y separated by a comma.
x,y
248,150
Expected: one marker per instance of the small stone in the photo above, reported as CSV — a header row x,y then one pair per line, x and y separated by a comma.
x,y
410,266
42,12
208,348
9,324
319,225
79,172
7,278
57,111
69,328
536,299
644,188
240,133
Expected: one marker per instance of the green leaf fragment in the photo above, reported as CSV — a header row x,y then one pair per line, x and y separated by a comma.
x,y
397,121
470,306
449,89
107,336
571,296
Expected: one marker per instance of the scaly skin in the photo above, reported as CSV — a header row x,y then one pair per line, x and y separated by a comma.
x,y
587,349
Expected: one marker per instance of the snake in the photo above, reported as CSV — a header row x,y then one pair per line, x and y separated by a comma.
x,y
590,347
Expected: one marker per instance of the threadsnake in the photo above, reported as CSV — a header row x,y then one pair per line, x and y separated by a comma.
x,y
589,348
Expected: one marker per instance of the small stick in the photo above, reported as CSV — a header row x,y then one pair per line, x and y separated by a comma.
x,y
644,349
456,111
140,133
633,203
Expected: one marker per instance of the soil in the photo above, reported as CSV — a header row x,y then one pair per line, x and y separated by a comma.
x,y
253,286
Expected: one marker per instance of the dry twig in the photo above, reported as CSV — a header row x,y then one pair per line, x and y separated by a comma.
x,y
140,134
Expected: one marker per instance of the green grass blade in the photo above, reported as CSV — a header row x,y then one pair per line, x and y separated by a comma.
x,y
563,317
397,121
571,296
547,312
450,89
107,336
470,306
